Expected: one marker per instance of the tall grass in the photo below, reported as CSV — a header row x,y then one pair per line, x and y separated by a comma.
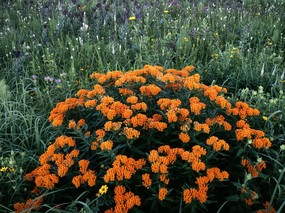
x,y
49,48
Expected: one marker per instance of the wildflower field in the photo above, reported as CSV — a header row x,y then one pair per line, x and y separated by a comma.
x,y
142,106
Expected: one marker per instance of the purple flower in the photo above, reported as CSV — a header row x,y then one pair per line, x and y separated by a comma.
x,y
48,78
57,81
34,77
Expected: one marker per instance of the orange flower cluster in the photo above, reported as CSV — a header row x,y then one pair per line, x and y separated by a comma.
x,y
243,110
201,127
126,91
131,133
107,145
85,176
146,180
256,137
160,163
200,193
166,103
42,175
129,78
150,90
162,193
267,208
109,125
212,91
184,137
219,119
110,108
57,115
217,143
149,107
73,125
254,169
123,168
249,196
196,106
124,200
29,205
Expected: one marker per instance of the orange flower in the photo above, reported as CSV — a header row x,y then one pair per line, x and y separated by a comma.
x,y
131,133
198,127
29,205
155,167
184,137
100,133
139,106
90,103
223,102
196,105
94,145
198,151
171,116
132,99
267,208
106,145
90,178
198,166
126,91
111,114
77,180
261,143
163,178
249,196
183,114
127,113
119,190
98,89
71,124
150,90
211,93
125,200
188,68
153,156
139,120
47,181
166,103
80,123
123,168
82,93
146,180
217,143
189,195
162,193
83,165
168,78
62,170
251,169
160,126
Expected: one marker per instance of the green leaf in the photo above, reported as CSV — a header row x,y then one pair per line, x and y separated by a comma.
x,y
233,198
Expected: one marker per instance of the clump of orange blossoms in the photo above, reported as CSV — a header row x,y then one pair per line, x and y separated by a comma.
x,y
162,135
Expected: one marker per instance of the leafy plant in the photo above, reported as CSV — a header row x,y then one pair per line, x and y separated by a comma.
x,y
152,140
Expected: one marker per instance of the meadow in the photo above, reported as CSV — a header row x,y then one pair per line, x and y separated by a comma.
x,y
142,106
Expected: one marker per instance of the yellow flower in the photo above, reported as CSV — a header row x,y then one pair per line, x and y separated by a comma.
x,y
103,189
132,18
165,11
3,169
11,169
265,118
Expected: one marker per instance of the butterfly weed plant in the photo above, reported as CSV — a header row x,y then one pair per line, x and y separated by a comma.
x,y
152,140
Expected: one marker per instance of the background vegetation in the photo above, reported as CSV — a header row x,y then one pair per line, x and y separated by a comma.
x,y
49,48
